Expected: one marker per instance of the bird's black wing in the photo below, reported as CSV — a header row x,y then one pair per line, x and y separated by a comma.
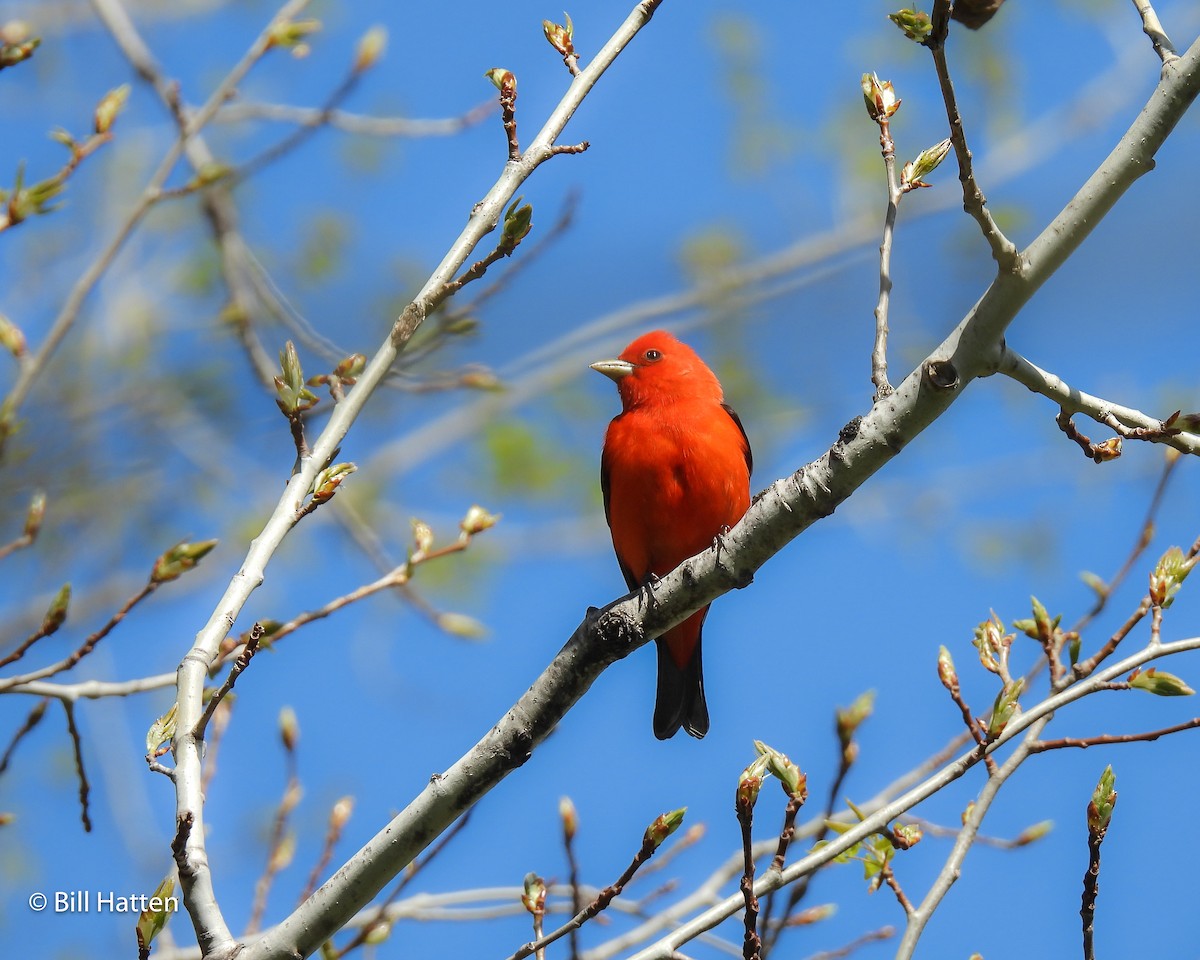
x,y
738,420
605,488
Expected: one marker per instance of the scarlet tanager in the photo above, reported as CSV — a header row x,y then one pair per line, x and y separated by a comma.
x,y
675,474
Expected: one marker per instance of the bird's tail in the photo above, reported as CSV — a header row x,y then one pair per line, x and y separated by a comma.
x,y
680,701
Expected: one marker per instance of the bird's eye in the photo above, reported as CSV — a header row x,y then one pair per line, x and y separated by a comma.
x,y
652,356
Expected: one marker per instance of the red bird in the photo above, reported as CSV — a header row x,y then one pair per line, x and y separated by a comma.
x,y
675,474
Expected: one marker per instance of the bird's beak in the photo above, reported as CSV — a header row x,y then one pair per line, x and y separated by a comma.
x,y
615,370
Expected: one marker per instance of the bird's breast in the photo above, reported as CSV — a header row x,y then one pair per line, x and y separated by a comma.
x,y
674,484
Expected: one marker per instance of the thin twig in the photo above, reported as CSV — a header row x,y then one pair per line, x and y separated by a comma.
x,y
1004,251
747,793
1107,739
86,647
77,748
1085,667
354,122
278,849
379,914
1099,816
239,664
1013,365
32,719
883,933
1145,535
338,817
600,903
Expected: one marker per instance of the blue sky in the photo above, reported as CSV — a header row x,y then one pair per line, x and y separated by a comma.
x,y
738,123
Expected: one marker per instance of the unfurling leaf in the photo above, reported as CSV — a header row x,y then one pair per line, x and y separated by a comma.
x,y
914,23
1160,683
179,559
663,826
1104,798
161,731
879,96
159,908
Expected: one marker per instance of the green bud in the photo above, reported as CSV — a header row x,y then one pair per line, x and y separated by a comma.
x,y
793,781
850,718
35,515
1096,583
161,731
928,160
462,626
339,814
533,894
422,538
282,856
370,48
289,729
350,368
158,911
906,835
293,395
879,96
504,80
1006,707
16,44
570,819
179,559
1104,798
12,338
663,826
378,933
1168,577
518,221
477,520
946,672
56,613
109,106
329,479
1034,833
1160,683
292,33
914,23
1108,450
561,38
992,643
750,783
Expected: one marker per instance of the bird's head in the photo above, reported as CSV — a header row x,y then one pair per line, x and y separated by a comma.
x,y
657,368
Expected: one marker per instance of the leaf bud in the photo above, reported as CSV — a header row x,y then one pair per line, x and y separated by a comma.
x,y
915,23
663,826
1104,798
108,108
569,817
879,96
370,48
477,520
56,613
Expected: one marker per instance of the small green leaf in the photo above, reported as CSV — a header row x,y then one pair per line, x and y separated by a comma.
x,y
1160,683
